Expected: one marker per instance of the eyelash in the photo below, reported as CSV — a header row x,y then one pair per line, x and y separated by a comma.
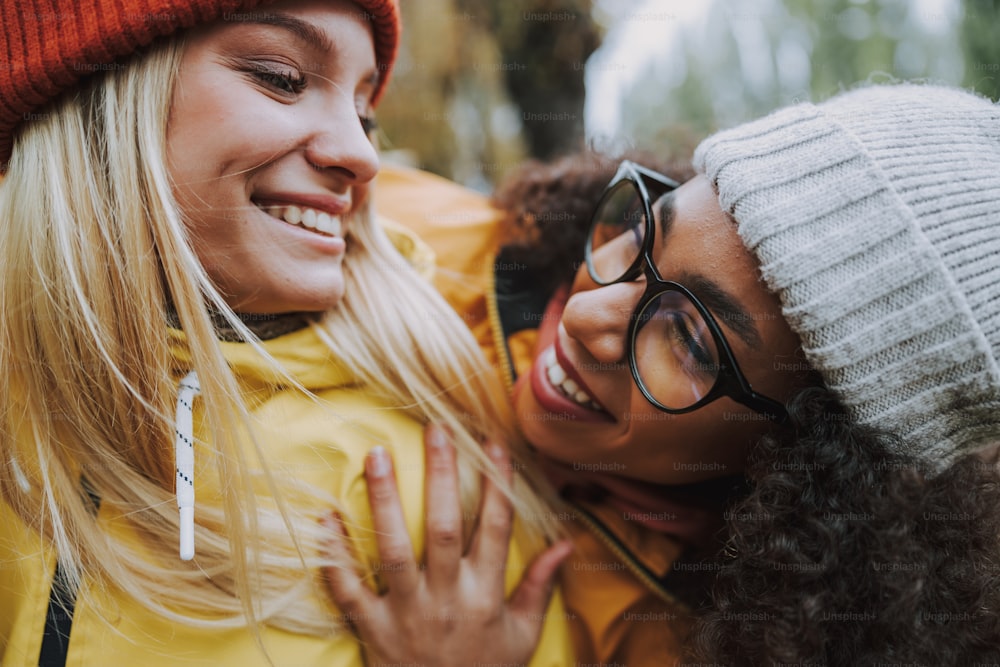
x,y
286,82
290,84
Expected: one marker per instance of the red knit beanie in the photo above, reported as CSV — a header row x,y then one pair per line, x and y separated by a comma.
x,y
46,46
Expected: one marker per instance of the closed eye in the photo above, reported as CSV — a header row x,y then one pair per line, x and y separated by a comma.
x,y
286,82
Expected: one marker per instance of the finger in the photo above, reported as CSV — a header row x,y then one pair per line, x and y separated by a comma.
x,y
530,600
344,583
444,511
398,567
492,539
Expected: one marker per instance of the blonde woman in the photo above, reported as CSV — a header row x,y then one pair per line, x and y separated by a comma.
x,y
204,334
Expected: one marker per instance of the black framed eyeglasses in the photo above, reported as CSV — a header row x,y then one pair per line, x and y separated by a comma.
x,y
678,355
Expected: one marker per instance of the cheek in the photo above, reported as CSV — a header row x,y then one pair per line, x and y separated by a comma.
x,y
359,197
216,121
708,442
211,247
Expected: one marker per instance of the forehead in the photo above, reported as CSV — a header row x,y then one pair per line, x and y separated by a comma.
x,y
702,238
337,29
704,244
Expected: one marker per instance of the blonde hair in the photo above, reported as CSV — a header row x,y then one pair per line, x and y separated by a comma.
x,y
92,248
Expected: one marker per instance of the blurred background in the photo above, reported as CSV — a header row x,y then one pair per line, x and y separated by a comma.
x,y
481,85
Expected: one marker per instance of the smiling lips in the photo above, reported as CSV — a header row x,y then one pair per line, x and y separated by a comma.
x,y
317,221
559,378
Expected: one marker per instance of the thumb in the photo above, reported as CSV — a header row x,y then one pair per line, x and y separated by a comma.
x,y
535,590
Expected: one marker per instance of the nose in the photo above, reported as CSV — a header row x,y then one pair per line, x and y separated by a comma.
x,y
342,146
598,319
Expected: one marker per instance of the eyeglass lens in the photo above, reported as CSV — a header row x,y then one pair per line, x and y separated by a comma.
x,y
675,353
617,233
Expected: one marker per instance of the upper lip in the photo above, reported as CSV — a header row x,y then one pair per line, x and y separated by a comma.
x,y
570,368
335,206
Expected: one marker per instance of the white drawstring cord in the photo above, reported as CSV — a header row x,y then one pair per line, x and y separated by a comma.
x,y
187,389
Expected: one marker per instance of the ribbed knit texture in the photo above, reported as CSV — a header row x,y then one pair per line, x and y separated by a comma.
x,y
46,46
876,219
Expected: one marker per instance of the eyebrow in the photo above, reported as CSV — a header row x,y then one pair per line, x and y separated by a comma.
x,y
664,209
305,31
723,305
725,308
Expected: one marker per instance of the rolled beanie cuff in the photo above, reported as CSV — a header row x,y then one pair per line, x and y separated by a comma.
x,y
54,45
854,271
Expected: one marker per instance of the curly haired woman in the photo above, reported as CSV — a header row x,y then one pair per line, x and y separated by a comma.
x,y
775,391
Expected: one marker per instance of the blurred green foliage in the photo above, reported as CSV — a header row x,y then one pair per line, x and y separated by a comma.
x,y
744,59
483,84
981,39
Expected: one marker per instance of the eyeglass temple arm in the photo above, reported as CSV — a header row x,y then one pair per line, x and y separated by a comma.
x,y
764,405
661,180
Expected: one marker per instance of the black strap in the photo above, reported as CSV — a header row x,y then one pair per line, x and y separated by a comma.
x,y
58,622
62,602
520,300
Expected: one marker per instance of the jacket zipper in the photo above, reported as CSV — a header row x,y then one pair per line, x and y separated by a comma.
x,y
641,572
499,339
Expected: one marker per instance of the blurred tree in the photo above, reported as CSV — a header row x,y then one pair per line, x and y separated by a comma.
x,y
413,116
482,84
552,39
981,38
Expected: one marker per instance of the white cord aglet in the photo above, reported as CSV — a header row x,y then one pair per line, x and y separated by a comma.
x,y
187,533
184,461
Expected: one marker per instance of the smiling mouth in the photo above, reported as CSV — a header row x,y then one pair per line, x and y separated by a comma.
x,y
559,378
308,218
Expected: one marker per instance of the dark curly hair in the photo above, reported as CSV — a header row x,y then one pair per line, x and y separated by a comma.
x,y
841,550
847,552
548,207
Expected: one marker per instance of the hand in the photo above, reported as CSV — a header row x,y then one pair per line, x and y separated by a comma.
x,y
453,612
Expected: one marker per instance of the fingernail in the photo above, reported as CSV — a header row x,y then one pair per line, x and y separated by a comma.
x,y
496,452
378,463
438,437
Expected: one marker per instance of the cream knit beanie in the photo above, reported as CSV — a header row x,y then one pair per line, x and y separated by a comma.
x,y
876,219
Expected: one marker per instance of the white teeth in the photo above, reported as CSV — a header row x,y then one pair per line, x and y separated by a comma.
x,y
556,375
319,221
293,214
309,218
328,224
324,223
569,388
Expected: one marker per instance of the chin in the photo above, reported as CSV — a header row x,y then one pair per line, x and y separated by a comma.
x,y
312,294
292,303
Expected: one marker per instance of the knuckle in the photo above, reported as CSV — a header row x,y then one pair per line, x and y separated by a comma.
x,y
350,606
382,492
395,560
441,461
483,607
496,522
445,532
